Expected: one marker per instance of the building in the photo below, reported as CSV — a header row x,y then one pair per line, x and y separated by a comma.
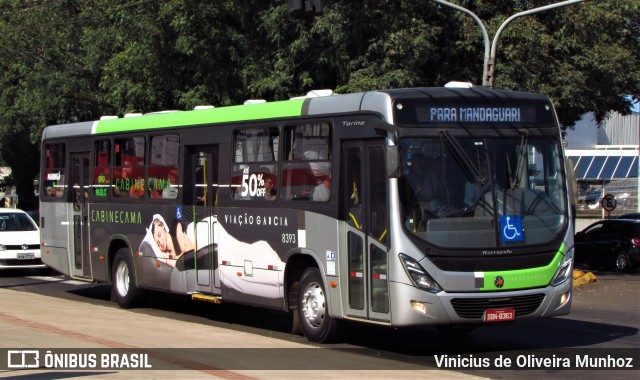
x,y
606,161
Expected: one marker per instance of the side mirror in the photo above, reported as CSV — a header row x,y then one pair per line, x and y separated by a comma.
x,y
393,161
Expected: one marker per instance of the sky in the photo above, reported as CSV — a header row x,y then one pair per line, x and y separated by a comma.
x,y
636,105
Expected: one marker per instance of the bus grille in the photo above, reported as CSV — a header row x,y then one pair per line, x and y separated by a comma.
x,y
473,308
490,264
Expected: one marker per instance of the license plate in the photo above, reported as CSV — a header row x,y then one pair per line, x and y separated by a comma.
x,y
26,256
499,315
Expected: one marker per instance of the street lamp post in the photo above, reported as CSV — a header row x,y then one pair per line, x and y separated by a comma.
x,y
490,52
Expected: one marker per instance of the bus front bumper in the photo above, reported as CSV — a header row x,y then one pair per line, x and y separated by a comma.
x,y
415,307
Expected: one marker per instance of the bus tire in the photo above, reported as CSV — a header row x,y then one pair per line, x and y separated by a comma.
x,y
123,279
312,311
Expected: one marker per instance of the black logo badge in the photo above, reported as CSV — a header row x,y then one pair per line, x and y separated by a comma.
x,y
499,282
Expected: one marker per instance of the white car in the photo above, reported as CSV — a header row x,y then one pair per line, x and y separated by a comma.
x,y
19,241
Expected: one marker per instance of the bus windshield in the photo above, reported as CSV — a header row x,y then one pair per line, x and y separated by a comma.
x,y
471,192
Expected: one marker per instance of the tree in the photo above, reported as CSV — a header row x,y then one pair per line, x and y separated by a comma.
x,y
155,55
41,80
63,61
586,57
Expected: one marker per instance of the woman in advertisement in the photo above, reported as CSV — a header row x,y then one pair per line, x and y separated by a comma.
x,y
171,246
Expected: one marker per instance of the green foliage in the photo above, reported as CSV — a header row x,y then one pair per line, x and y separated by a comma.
x,y
71,60
585,57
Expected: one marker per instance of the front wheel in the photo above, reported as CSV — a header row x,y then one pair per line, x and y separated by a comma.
x,y
622,263
312,311
123,280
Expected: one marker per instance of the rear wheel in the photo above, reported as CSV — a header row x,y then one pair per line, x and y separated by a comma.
x,y
312,311
622,263
123,280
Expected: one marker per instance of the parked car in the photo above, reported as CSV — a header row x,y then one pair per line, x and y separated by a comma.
x,y
633,215
613,243
19,241
35,215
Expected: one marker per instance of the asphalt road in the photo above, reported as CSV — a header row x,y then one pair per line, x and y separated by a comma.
x,y
605,318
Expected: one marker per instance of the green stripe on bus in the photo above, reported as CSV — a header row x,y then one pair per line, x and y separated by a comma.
x,y
247,112
523,278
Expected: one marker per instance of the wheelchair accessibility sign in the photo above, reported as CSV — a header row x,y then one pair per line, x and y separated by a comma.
x,y
511,228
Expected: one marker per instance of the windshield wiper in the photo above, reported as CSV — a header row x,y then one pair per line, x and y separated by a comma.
x,y
471,170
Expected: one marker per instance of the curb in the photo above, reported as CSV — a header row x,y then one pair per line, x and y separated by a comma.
x,y
581,278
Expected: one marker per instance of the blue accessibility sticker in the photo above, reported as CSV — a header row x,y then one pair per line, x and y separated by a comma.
x,y
511,228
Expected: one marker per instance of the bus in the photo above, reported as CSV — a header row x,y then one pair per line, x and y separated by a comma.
x,y
446,206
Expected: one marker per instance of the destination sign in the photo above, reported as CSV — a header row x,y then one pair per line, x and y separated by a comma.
x,y
476,111
475,114
494,115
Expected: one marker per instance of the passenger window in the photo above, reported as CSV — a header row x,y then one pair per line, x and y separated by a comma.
x,y
53,176
164,173
101,169
128,170
306,173
255,169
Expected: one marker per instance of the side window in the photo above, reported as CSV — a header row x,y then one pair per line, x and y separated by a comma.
x,y
164,173
609,229
306,173
101,178
595,231
255,169
128,169
54,171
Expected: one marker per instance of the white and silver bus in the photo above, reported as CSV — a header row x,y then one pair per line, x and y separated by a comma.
x,y
426,206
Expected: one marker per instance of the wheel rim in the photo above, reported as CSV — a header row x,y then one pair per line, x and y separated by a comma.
x,y
621,262
313,305
122,278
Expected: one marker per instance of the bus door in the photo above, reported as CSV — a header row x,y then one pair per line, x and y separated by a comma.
x,y
364,267
80,261
201,189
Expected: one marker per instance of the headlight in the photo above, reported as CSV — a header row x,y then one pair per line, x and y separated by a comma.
x,y
418,275
565,271
2,247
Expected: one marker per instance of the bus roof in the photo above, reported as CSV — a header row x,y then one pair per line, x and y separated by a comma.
x,y
373,101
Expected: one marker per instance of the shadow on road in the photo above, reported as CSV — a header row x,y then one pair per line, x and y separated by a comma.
x,y
582,328
549,333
